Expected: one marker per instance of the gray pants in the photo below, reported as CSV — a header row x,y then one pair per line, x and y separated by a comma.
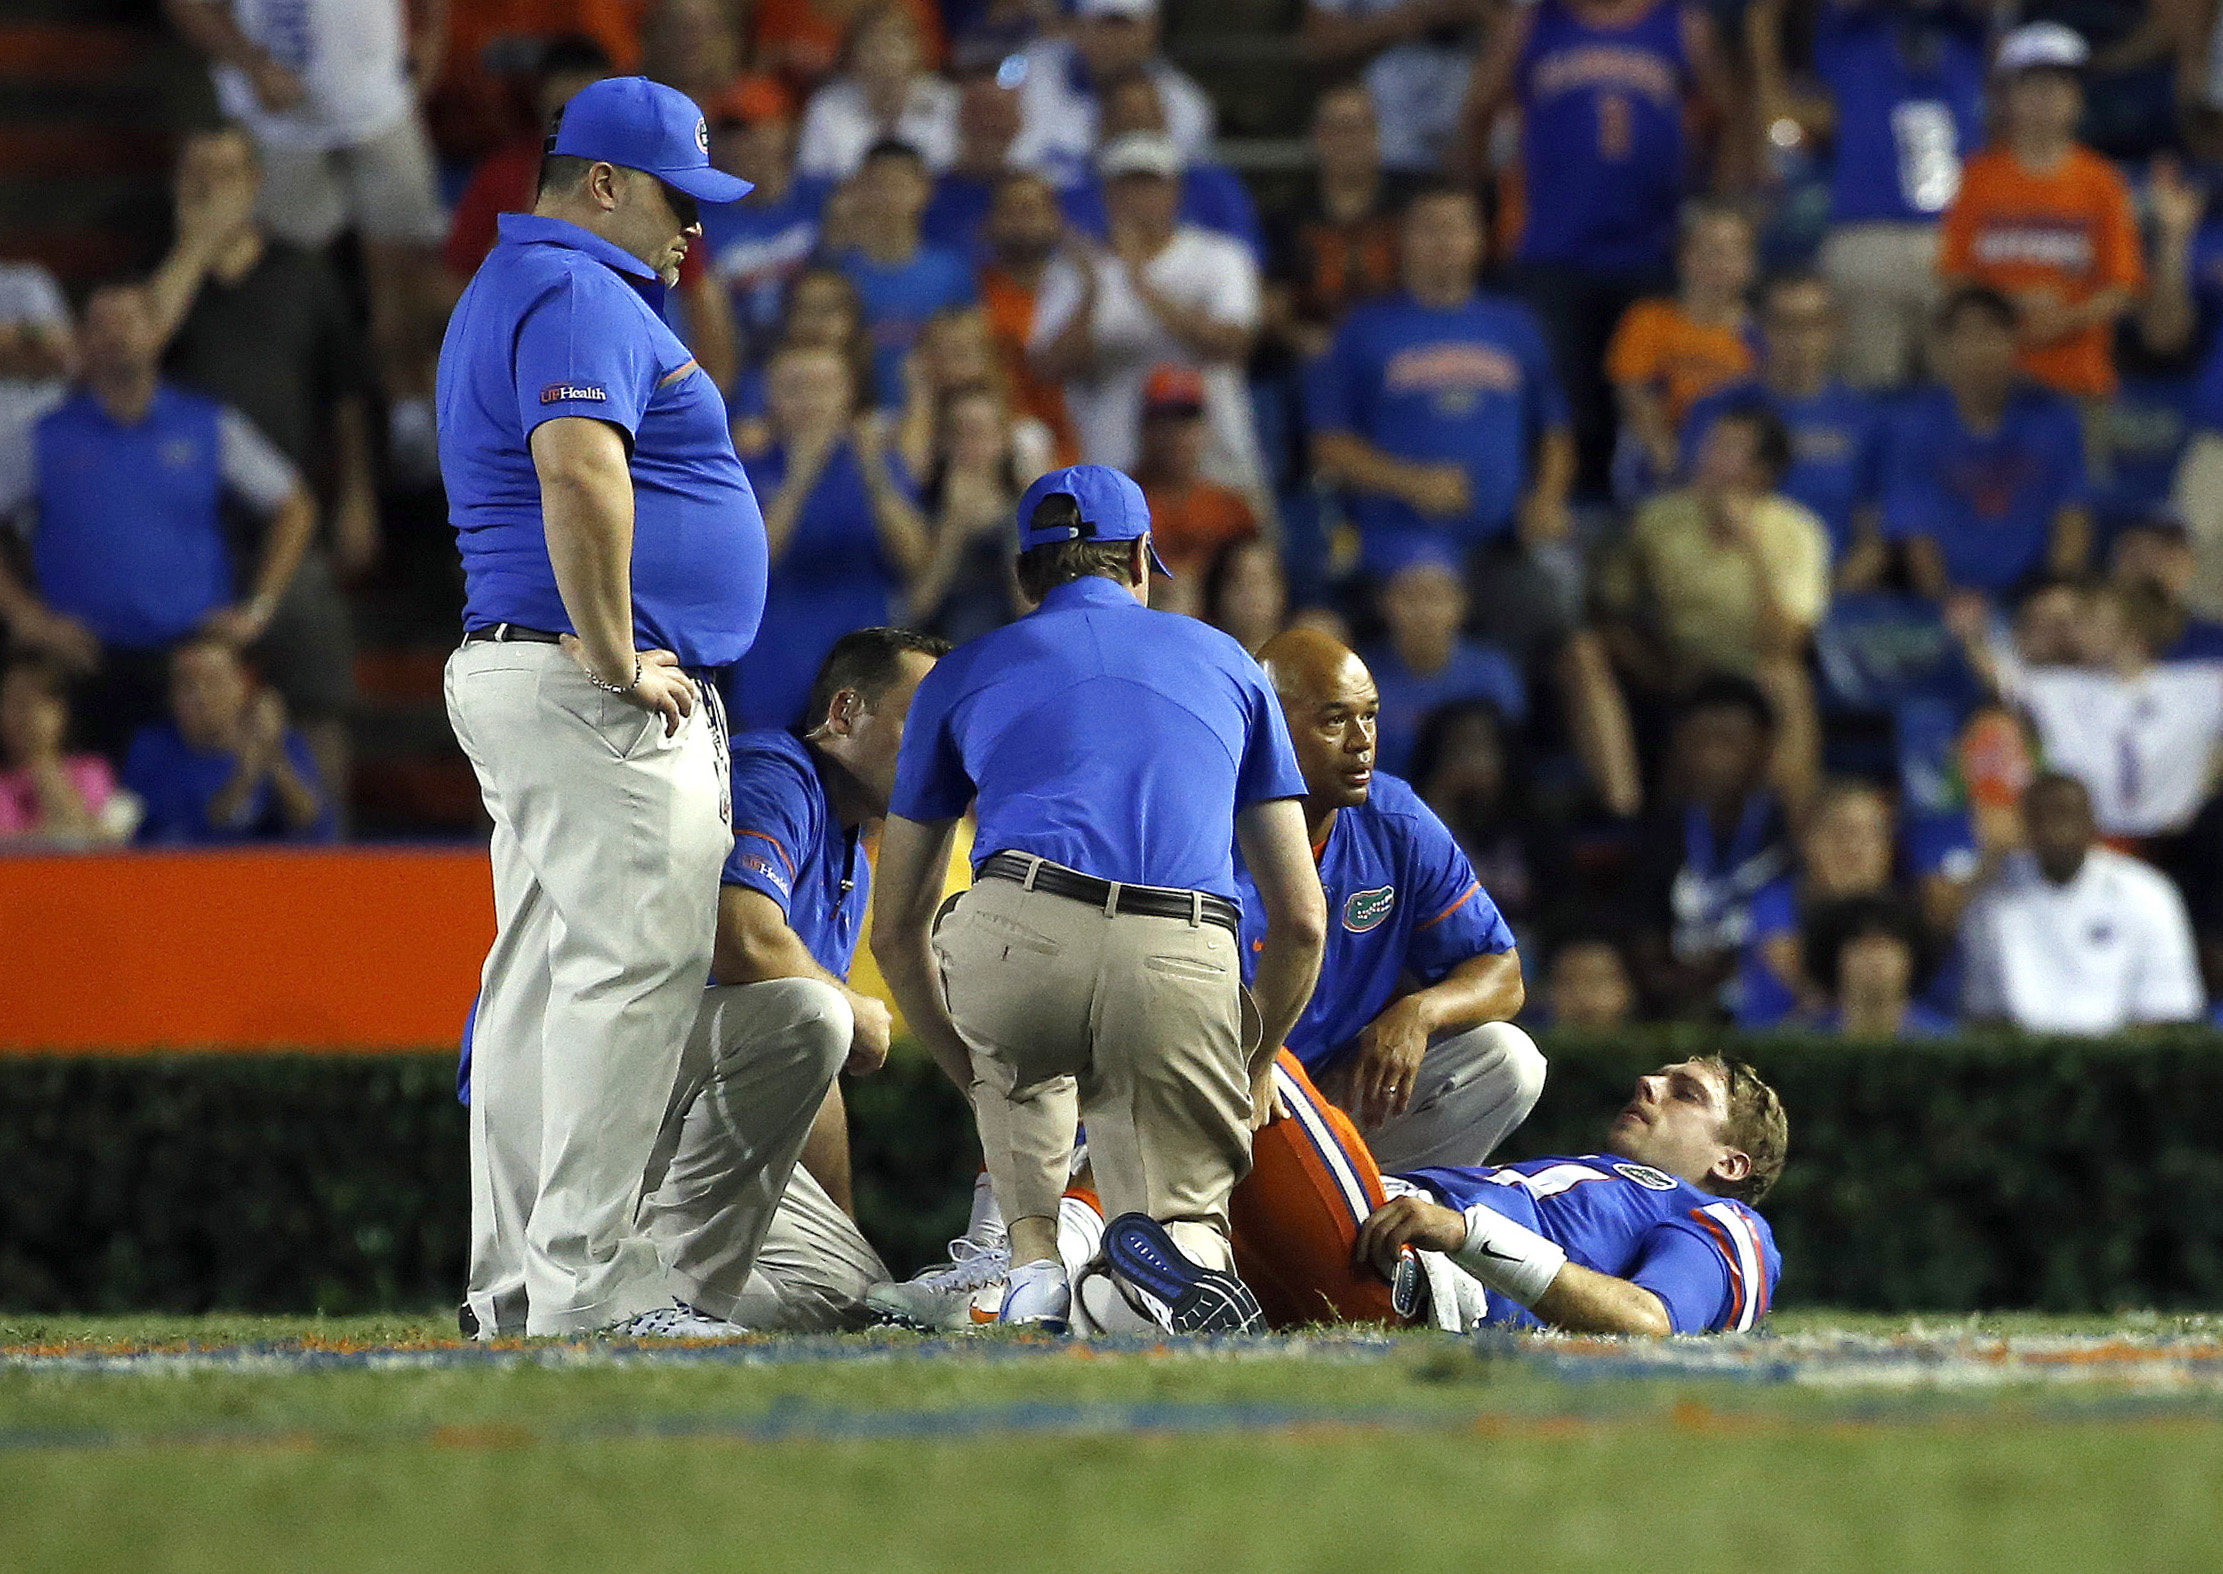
x,y
1138,1024
1475,1085
812,1272
608,840
756,1068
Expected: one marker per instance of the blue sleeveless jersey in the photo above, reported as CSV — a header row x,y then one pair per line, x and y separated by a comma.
x,y
1711,1260
1602,145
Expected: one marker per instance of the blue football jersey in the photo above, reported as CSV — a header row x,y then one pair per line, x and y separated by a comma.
x,y
1403,907
1711,1260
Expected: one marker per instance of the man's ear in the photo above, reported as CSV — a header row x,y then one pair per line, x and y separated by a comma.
x,y
842,714
602,185
1733,1165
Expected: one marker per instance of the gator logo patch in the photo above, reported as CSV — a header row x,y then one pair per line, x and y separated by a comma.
x,y
572,393
1647,1177
1365,910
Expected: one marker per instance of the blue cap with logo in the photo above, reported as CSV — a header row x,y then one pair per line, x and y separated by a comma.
x,y
638,124
1112,508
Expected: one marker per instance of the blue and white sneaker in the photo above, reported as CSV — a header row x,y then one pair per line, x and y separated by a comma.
x,y
1039,1296
1194,1300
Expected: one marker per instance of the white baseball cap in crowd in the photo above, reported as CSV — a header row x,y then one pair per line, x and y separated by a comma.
x,y
1132,10
1139,153
2042,46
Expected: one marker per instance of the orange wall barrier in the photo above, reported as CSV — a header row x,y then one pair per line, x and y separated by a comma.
x,y
345,950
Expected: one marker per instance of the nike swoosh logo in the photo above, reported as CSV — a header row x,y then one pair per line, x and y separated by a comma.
x,y
1484,1251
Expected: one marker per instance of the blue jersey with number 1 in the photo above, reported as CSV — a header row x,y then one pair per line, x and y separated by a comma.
x,y
1711,1260
1602,143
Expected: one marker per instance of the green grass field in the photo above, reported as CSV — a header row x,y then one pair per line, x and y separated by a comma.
x,y
891,1453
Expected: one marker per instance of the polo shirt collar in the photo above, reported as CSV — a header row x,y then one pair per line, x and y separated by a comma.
x,y
1090,590
530,229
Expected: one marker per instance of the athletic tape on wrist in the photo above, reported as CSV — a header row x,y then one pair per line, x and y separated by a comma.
x,y
1508,1256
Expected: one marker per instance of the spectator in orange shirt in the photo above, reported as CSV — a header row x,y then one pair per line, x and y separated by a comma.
x,y
2046,221
1022,233
1191,519
1668,354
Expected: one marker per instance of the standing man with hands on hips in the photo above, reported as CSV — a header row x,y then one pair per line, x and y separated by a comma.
x,y
1117,755
614,557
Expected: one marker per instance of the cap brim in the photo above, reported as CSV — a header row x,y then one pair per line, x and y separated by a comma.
x,y
705,184
1158,563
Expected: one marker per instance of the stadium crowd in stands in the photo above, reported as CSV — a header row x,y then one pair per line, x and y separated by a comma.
x,y
1768,452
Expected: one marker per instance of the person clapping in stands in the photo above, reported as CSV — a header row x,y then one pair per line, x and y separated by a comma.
x,y
226,767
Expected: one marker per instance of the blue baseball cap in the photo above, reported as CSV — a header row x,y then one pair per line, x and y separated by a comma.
x,y
1112,509
638,124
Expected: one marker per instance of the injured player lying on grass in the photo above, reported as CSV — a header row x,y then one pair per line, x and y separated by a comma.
x,y
1656,1234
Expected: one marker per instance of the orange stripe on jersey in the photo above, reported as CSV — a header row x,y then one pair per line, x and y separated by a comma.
x,y
776,847
1729,1256
1473,891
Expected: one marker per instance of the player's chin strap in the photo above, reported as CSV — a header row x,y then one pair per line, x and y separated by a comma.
x,y
1508,1256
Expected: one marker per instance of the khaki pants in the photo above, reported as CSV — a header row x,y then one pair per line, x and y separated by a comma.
x,y
1885,277
608,841
1139,1026
755,1070
2199,498
812,1272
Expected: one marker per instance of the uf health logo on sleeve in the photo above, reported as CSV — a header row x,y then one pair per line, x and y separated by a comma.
x,y
572,393
1364,910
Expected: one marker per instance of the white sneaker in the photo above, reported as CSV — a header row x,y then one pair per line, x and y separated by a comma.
x,y
677,1321
942,1299
1040,1296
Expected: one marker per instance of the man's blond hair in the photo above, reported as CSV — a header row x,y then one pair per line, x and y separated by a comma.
x,y
1756,1124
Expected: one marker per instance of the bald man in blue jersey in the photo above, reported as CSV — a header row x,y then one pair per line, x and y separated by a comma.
x,y
1409,1026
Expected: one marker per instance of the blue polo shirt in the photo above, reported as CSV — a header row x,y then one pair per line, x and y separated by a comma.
x,y
1836,448
1987,499
558,322
1103,736
1472,386
1402,901
790,845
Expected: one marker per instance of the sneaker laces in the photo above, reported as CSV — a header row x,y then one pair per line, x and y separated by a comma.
x,y
971,1266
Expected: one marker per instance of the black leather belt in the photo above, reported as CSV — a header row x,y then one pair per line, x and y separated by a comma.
x,y
510,634
1150,901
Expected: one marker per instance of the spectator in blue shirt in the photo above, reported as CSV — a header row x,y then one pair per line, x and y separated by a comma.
x,y
987,121
1213,197
1984,476
128,479
1426,662
1836,433
845,534
1437,410
756,247
901,280
225,768
1868,955
1897,94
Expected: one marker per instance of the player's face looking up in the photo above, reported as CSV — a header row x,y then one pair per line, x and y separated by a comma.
x,y
1677,1121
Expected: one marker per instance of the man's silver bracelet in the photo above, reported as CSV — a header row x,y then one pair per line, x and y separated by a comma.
x,y
617,688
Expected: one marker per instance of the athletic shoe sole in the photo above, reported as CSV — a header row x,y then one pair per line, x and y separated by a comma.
x,y
1198,1300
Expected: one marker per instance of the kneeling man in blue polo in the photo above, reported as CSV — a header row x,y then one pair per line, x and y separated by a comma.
x,y
1409,1028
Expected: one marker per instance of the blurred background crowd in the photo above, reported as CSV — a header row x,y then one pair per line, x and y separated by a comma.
x,y
1769,452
